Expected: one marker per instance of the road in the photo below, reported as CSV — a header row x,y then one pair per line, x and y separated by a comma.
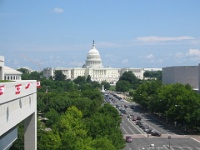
x,y
170,138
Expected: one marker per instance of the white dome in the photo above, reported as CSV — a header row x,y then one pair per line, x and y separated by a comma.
x,y
93,51
93,58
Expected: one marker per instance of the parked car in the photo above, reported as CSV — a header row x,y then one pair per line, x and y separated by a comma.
x,y
148,130
155,133
129,139
132,107
138,122
139,118
134,118
144,126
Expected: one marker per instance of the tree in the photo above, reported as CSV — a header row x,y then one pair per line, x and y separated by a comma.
x,y
106,85
129,76
103,144
23,70
59,76
49,140
123,86
145,94
80,80
131,79
153,74
105,123
73,131
88,79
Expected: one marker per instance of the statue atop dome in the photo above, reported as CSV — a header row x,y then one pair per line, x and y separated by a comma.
x,y
93,58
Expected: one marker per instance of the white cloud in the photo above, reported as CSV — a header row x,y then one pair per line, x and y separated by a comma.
x,y
193,53
163,39
58,10
150,56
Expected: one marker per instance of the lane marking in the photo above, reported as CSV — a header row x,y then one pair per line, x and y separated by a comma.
x,y
131,130
136,127
124,130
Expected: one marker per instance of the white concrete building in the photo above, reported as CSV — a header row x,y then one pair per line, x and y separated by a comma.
x,y
18,103
93,67
7,73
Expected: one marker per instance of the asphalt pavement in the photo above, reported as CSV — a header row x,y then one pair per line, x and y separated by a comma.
x,y
142,141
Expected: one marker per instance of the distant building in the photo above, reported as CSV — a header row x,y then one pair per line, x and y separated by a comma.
x,y
7,73
181,74
93,67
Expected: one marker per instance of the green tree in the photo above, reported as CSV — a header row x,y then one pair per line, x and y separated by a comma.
x,y
23,70
103,144
49,141
88,79
80,80
153,74
129,76
59,76
106,85
73,131
123,86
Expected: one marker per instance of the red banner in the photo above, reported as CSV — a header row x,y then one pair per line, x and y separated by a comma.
x,y
38,84
18,88
28,85
2,89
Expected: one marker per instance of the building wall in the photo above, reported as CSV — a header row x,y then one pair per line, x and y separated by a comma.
x,y
97,74
181,74
15,108
1,67
138,72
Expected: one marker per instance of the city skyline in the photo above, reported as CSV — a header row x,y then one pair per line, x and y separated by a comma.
x,y
132,34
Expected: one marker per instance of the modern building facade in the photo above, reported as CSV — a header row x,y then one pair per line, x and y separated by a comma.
x,y
94,67
182,74
18,104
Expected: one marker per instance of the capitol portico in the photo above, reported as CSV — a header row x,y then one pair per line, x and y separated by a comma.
x,y
93,67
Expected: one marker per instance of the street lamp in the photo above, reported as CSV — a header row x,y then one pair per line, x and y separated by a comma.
x,y
169,137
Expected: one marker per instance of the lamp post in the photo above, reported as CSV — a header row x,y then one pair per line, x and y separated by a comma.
x,y
169,138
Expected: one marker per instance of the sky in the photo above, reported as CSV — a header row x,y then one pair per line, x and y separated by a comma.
x,y
127,33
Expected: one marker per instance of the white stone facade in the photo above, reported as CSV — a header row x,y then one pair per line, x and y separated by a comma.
x,y
93,67
20,107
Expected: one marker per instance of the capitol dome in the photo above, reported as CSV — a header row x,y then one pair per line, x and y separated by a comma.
x,y
93,58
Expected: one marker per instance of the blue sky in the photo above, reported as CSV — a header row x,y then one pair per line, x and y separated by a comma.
x,y
131,33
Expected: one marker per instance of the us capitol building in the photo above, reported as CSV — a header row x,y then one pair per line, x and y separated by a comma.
x,y
93,67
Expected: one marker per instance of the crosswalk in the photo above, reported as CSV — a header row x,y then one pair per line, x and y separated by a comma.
x,y
166,147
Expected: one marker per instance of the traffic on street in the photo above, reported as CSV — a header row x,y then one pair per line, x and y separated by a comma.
x,y
143,131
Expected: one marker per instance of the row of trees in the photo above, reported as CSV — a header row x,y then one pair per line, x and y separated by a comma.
x,y
76,116
127,81
175,102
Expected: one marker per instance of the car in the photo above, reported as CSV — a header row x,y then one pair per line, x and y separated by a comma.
x,y
125,106
129,139
144,126
139,118
134,118
132,107
155,133
148,130
138,122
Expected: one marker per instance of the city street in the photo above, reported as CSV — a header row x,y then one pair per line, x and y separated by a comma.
x,y
170,138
